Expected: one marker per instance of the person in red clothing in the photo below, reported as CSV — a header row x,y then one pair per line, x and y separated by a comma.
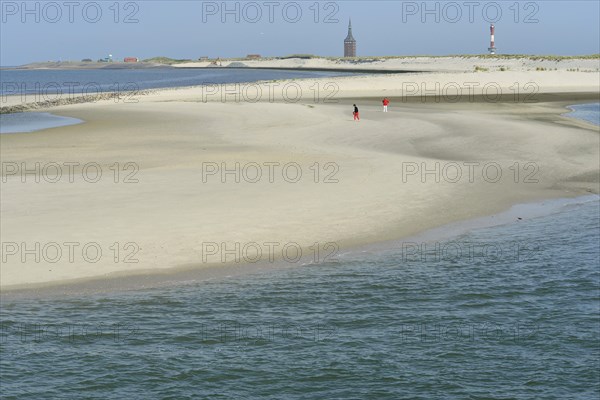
x,y
386,102
356,114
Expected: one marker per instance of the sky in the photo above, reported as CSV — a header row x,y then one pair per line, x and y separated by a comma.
x,y
73,30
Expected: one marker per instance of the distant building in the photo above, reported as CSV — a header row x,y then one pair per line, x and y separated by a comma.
x,y
203,58
492,48
350,43
86,60
253,56
131,59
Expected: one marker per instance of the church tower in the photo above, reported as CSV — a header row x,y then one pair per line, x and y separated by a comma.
x,y
350,43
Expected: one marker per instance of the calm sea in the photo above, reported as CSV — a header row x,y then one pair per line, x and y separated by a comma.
x,y
48,83
507,312
586,112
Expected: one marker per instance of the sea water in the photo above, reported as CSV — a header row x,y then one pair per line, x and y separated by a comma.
x,y
47,84
519,320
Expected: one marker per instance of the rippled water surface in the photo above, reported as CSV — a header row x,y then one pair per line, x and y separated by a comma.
x,y
510,312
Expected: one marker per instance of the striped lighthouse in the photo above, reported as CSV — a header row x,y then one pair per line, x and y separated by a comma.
x,y
492,48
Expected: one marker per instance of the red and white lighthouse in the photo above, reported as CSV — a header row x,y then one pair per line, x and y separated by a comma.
x,y
492,48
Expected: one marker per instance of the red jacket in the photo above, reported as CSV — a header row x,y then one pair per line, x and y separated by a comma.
x,y
386,102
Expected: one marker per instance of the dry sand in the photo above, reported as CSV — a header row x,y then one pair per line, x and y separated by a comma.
x,y
421,63
369,186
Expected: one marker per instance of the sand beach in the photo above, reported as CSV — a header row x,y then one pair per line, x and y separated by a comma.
x,y
207,176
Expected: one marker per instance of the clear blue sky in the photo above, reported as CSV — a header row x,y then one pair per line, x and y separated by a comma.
x,y
190,29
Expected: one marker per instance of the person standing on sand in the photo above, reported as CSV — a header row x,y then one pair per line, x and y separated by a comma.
x,y
386,102
356,114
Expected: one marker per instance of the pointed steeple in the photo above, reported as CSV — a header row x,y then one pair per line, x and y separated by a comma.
x,y
350,38
350,42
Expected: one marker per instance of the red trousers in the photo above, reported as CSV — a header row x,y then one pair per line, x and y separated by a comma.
x,y
356,116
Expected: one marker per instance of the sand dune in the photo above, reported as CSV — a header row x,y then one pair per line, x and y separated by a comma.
x,y
422,63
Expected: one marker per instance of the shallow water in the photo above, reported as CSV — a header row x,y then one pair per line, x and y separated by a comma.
x,y
514,317
33,121
587,112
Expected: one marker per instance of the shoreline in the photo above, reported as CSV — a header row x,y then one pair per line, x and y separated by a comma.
x,y
174,134
402,88
562,98
16,106
190,275
43,120
574,113
566,115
